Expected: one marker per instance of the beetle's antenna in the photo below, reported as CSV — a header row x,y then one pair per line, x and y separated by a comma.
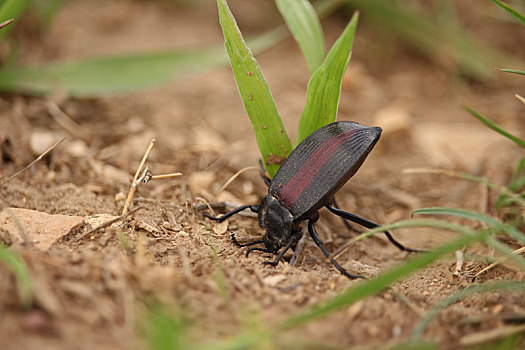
x,y
254,208
260,250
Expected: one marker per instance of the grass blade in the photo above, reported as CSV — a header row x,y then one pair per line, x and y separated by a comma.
x,y
304,24
255,93
377,284
496,128
420,328
108,75
164,330
517,15
444,225
514,71
21,273
494,223
324,88
119,74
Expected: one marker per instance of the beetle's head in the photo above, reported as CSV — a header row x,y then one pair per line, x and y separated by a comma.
x,y
277,220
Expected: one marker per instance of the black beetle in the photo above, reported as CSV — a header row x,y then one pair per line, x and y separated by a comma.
x,y
307,181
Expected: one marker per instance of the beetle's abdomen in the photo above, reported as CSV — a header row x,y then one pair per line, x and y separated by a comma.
x,y
321,164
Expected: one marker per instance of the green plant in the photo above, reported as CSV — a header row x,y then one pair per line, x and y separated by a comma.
x,y
323,90
21,273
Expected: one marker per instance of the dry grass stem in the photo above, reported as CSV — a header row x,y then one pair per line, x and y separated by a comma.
x,y
234,176
499,261
108,223
165,176
460,260
4,181
133,186
490,335
65,121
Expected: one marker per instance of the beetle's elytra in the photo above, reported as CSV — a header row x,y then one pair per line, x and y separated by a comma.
x,y
307,181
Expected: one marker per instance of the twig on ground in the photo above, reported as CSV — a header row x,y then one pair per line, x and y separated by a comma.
x,y
133,186
108,223
499,261
486,336
460,260
4,181
165,176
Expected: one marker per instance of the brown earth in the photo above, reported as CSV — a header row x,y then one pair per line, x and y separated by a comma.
x,y
92,292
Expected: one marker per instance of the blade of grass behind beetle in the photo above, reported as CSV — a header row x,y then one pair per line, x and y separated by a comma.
x,y
255,94
324,87
306,29
496,128
514,13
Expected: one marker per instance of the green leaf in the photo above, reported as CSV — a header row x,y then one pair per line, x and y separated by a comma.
x,y
304,24
517,15
21,273
119,74
108,75
377,284
520,72
11,9
324,87
496,128
255,93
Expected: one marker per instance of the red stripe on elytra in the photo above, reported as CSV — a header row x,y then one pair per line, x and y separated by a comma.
x,y
305,175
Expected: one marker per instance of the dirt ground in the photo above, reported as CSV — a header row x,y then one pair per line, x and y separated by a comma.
x,y
90,291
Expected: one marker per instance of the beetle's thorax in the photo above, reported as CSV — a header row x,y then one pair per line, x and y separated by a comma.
x,y
277,220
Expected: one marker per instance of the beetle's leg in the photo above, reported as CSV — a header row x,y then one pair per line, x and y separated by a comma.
x,y
369,224
293,240
245,244
260,250
319,243
347,224
254,208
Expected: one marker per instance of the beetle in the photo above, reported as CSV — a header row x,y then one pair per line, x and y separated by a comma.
x,y
306,182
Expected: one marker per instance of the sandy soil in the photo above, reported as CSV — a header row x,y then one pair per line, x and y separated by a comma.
x,y
93,291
